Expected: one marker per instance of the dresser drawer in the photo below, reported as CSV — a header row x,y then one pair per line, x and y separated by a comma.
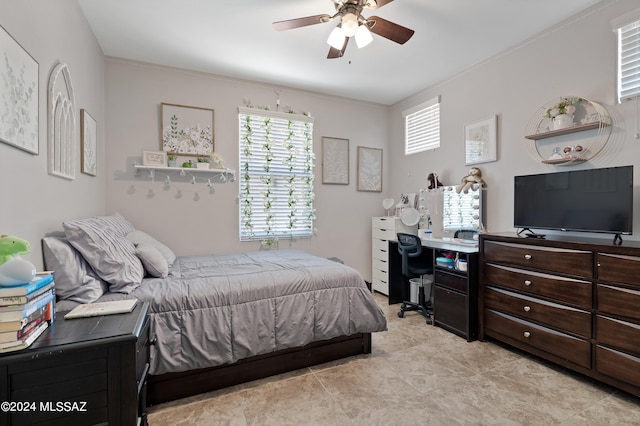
x,y
559,344
452,281
619,269
384,222
572,291
618,334
384,234
619,365
568,319
564,261
619,301
381,286
380,245
380,275
381,265
143,352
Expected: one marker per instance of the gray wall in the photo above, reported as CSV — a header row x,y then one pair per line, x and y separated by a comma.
x,y
34,202
576,58
210,223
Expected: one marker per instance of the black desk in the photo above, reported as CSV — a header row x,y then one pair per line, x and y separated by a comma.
x,y
455,292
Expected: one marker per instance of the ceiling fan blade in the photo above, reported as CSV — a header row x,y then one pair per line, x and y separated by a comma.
x,y
301,22
378,4
338,53
390,30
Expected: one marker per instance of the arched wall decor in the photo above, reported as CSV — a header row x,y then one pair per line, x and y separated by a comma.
x,y
61,123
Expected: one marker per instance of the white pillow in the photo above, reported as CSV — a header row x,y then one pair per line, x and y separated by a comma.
x,y
102,242
75,279
139,237
153,261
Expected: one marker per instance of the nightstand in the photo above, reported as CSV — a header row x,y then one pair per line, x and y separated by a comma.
x,y
80,371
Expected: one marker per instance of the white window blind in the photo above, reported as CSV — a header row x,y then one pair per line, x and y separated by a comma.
x,y
422,127
628,58
276,175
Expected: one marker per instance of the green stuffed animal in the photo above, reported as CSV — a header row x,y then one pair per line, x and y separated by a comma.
x,y
10,246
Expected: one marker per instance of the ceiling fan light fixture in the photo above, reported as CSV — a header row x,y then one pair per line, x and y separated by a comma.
x,y
336,39
363,36
349,24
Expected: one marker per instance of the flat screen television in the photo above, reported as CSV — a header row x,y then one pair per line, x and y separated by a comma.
x,y
593,200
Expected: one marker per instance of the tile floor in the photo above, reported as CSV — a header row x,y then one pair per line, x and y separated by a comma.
x,y
417,374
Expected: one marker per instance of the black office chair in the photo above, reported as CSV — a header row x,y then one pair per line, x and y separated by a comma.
x,y
410,247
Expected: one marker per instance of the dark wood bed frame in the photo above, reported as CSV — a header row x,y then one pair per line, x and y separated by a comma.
x,y
170,386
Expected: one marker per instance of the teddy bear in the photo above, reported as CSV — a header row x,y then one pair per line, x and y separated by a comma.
x,y
434,182
474,177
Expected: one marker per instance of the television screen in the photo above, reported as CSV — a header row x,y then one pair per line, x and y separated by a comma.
x,y
595,200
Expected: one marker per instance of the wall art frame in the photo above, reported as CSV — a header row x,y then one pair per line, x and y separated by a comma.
x,y
88,144
335,161
19,96
369,169
186,130
480,141
154,158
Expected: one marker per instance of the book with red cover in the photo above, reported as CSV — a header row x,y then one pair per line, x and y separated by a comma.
x,y
16,313
19,324
12,336
24,341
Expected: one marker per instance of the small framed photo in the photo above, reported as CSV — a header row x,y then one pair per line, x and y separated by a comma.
x,y
480,141
154,158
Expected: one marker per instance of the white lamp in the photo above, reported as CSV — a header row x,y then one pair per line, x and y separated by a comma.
x,y
336,38
349,24
363,36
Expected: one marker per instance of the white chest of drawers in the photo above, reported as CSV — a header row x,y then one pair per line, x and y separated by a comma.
x,y
384,229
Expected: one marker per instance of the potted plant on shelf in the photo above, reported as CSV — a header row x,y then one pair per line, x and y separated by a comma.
x,y
203,162
171,159
217,162
561,114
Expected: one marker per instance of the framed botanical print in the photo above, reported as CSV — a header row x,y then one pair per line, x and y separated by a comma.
x,y
335,161
369,169
88,144
480,141
186,130
18,96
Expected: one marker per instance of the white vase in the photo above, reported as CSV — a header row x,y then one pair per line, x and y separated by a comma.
x,y
562,121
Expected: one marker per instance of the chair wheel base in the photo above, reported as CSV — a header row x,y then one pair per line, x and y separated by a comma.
x,y
411,306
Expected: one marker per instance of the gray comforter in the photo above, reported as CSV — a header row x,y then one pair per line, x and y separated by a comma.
x,y
218,309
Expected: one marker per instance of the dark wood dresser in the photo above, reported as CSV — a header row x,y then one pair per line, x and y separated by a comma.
x,y
81,371
575,302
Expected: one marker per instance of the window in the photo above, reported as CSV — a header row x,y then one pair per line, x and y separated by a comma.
x,y
276,175
422,127
628,31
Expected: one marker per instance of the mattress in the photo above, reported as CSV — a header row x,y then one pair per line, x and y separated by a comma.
x,y
217,309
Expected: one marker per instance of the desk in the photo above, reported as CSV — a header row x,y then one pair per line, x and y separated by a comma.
x,y
455,299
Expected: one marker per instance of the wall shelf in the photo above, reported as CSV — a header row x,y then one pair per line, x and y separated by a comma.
x,y
574,129
228,174
547,145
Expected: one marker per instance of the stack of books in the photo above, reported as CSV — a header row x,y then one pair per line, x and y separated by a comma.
x,y
25,312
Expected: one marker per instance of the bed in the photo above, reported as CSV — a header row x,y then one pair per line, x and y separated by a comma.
x,y
217,320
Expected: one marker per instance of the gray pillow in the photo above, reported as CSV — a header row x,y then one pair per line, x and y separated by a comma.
x,y
102,242
138,237
75,279
153,261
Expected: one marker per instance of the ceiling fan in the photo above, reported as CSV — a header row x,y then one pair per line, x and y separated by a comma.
x,y
352,24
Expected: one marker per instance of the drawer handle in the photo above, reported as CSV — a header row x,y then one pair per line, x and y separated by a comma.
x,y
527,282
527,256
526,334
527,308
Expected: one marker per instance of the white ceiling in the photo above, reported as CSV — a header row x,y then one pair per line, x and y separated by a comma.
x,y
235,38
